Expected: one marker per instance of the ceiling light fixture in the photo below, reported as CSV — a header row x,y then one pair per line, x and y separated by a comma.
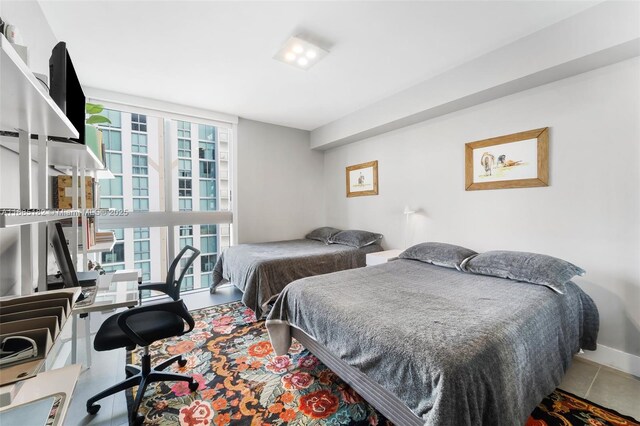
x,y
300,53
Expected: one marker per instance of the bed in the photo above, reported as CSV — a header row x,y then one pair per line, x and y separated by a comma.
x,y
262,270
433,345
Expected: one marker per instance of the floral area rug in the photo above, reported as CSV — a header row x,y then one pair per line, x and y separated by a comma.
x,y
243,382
564,408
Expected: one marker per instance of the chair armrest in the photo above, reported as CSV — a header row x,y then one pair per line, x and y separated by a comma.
x,y
162,287
175,307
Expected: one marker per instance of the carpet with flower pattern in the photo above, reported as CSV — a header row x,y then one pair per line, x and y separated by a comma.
x,y
243,382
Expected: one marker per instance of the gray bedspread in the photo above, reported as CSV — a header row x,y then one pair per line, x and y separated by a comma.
x,y
262,270
456,348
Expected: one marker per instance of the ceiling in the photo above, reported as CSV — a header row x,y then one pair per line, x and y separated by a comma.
x,y
218,55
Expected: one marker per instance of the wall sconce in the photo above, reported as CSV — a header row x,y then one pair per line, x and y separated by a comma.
x,y
407,212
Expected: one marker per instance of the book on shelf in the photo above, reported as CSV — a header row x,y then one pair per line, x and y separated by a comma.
x,y
61,192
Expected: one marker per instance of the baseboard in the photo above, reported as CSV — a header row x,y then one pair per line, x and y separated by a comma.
x,y
614,358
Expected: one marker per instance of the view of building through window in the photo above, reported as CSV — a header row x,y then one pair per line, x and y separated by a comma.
x,y
199,169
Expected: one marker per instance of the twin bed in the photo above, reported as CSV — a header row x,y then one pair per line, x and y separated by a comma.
x,y
429,344
262,270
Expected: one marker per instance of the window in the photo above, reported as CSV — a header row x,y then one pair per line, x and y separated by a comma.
x,y
185,204
141,250
187,283
140,164
114,256
206,151
114,116
206,280
206,133
112,268
140,186
207,262
139,122
208,229
139,143
114,162
207,188
111,187
184,148
112,139
184,187
140,233
184,129
208,245
136,147
207,205
145,270
207,169
141,204
184,168
111,203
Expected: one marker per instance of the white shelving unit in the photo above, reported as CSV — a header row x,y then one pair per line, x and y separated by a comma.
x,y
26,108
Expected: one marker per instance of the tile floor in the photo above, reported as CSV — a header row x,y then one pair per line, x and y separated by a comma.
x,y
594,382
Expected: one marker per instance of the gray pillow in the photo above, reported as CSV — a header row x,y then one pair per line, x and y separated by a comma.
x,y
355,238
440,254
521,266
322,234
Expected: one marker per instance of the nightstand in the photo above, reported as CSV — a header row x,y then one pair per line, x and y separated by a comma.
x,y
381,257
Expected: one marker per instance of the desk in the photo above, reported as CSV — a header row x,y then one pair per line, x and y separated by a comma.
x,y
62,380
110,296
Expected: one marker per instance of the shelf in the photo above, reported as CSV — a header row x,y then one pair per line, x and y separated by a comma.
x,y
62,155
24,104
68,154
35,216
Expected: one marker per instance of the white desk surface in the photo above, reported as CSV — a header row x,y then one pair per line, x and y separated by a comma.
x,y
62,380
113,296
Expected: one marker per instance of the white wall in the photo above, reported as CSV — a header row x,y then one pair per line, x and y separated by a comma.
x,y
36,33
589,215
279,183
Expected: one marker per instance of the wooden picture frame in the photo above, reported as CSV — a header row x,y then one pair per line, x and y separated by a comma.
x,y
518,160
362,179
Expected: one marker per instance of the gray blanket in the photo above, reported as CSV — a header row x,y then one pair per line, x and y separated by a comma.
x,y
456,348
262,270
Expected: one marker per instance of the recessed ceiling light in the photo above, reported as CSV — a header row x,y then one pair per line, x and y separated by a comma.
x,y
300,53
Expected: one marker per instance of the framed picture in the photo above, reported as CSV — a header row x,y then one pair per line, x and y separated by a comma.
x,y
362,179
519,160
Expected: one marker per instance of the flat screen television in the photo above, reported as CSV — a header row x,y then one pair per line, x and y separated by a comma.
x,y
65,89
70,277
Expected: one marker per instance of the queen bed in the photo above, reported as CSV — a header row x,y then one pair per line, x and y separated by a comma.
x,y
427,343
262,270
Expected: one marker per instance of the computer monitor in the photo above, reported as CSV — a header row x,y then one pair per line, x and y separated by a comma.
x,y
70,277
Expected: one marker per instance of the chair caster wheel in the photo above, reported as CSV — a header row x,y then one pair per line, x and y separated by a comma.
x,y
138,420
182,362
93,409
193,386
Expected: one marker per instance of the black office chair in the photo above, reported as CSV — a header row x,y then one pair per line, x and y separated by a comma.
x,y
171,286
142,326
